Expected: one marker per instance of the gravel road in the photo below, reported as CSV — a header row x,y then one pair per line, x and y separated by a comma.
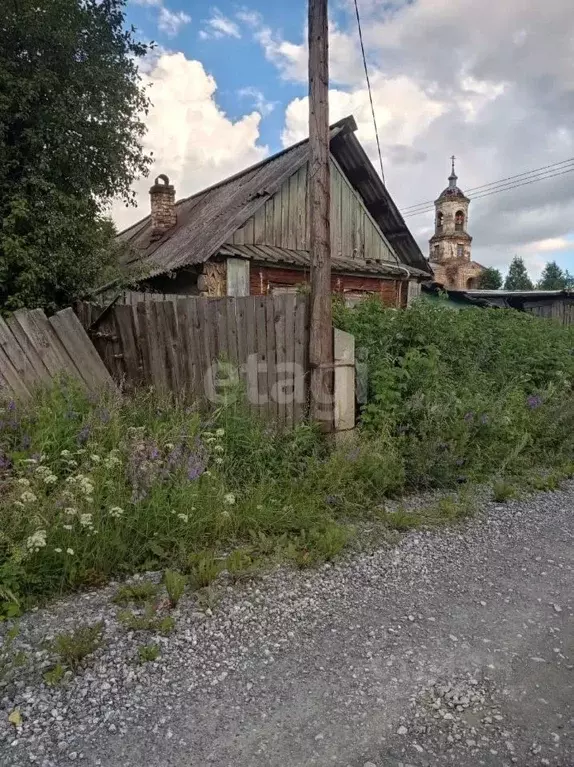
x,y
453,647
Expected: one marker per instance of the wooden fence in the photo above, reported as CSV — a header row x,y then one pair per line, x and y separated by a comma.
x,y
34,350
197,346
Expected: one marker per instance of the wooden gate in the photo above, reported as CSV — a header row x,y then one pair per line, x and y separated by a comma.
x,y
199,347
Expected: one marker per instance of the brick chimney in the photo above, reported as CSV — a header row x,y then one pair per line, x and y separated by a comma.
x,y
162,197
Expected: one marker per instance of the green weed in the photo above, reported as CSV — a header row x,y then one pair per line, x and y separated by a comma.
x,y
148,653
148,621
203,569
175,586
136,592
75,646
55,675
502,491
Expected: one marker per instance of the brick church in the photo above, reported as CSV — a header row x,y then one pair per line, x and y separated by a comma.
x,y
450,246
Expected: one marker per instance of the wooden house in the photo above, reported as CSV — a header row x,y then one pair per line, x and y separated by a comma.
x,y
249,234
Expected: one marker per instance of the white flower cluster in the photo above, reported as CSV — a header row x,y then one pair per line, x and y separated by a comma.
x,y
46,475
212,439
36,541
112,459
116,512
28,497
82,484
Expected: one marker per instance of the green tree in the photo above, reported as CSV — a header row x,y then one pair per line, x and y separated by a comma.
x,y
517,277
490,279
553,278
71,108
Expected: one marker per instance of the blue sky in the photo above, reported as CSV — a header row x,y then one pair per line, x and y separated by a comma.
x,y
228,83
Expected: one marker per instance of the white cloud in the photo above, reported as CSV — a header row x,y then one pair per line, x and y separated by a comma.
x,y
219,26
500,97
170,22
191,138
257,98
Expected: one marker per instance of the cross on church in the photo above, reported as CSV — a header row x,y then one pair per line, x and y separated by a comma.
x,y
453,158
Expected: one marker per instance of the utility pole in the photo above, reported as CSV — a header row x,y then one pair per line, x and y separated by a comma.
x,y
321,330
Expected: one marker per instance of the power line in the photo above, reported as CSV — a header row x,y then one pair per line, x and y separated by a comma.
x,y
499,190
369,88
553,166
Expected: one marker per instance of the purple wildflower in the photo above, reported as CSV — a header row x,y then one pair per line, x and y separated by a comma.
x,y
459,461
154,454
468,417
83,435
5,462
484,418
11,405
104,415
534,401
26,442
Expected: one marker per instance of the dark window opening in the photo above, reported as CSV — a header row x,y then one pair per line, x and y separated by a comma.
x,y
459,221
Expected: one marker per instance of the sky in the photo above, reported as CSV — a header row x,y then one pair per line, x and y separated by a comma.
x,y
489,81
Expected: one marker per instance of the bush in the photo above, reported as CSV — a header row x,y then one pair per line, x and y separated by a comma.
x,y
463,394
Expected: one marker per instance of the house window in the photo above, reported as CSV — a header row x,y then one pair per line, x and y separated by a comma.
x,y
460,251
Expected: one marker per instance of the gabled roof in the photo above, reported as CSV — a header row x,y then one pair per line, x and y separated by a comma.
x,y
208,219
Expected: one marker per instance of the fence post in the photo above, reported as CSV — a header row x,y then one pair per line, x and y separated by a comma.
x,y
344,381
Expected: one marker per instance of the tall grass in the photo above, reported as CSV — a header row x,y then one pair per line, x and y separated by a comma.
x,y
94,488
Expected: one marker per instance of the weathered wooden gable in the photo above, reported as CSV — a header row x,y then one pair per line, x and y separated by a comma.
x,y
284,221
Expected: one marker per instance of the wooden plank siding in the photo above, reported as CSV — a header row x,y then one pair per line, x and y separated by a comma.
x,y
176,347
283,221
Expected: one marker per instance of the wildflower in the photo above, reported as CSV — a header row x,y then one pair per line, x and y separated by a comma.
x,y
42,471
58,551
169,446
86,520
72,464
116,511
26,442
69,551
19,504
89,499
5,462
219,449
331,500
104,415
218,461
23,482
67,527
70,511
468,417
229,498
36,541
220,433
95,458
183,517
28,497
12,405
534,401
83,435
65,454
225,514
50,479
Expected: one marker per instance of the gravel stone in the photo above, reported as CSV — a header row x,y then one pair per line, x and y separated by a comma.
x,y
331,666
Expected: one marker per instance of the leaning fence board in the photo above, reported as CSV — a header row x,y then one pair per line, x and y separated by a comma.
x,y
125,317
16,354
41,372
82,355
34,351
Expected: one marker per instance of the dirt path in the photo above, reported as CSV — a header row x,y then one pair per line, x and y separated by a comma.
x,y
453,648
